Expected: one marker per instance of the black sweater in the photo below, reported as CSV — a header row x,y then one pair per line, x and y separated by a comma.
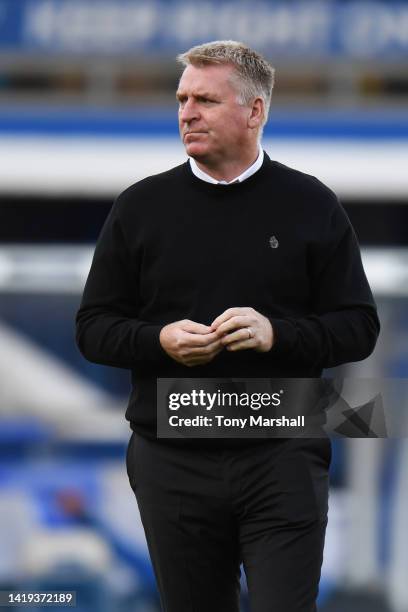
x,y
175,247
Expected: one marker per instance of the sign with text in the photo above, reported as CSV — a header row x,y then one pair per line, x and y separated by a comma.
x,y
371,29
281,408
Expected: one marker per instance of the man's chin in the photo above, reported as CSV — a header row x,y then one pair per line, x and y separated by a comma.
x,y
196,151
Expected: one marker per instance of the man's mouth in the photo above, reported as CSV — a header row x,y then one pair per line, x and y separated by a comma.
x,y
193,133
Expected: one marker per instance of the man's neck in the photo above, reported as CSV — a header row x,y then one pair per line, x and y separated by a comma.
x,y
229,170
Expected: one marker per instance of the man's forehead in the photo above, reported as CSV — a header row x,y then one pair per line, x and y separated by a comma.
x,y
205,79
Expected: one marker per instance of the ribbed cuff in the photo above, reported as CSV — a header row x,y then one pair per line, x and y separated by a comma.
x,y
284,333
148,344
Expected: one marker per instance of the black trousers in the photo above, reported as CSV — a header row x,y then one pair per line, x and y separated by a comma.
x,y
206,511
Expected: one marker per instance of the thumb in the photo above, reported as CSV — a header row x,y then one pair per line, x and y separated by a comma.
x,y
195,328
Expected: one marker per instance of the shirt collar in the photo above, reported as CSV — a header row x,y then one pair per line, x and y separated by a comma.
x,y
246,174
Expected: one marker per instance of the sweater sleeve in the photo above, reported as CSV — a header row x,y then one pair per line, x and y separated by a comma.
x,y
343,325
108,330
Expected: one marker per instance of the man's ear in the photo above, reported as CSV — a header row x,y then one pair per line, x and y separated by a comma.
x,y
257,112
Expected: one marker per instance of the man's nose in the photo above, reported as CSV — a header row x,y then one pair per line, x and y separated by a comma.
x,y
189,111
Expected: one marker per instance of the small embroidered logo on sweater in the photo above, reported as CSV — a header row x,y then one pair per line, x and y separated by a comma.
x,y
273,242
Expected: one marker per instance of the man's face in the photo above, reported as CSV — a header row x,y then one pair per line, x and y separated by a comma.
x,y
213,126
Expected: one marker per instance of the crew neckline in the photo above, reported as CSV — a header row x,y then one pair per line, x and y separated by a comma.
x,y
239,178
231,189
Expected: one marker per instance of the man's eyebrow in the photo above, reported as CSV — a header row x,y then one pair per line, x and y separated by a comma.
x,y
197,94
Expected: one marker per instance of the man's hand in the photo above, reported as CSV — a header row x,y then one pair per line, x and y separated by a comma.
x,y
244,328
190,343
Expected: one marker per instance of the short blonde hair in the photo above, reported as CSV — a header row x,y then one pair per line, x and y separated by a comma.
x,y
254,76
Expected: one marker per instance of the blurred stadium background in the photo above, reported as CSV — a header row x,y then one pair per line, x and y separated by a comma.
x,y
87,107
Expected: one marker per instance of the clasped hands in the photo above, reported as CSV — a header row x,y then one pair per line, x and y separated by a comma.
x,y
236,329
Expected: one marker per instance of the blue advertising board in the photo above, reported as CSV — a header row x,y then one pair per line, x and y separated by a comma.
x,y
298,29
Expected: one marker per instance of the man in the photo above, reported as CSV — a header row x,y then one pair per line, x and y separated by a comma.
x,y
228,265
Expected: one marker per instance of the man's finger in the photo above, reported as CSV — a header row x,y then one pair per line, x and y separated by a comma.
x,y
236,322
238,336
199,340
227,314
195,361
241,345
195,328
204,350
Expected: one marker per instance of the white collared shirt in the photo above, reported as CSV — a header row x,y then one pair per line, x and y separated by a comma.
x,y
246,174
